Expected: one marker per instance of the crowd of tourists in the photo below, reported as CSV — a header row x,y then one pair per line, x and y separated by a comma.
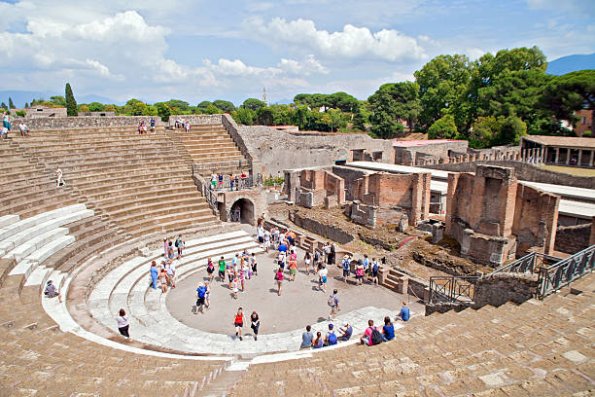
x,y
232,182
182,124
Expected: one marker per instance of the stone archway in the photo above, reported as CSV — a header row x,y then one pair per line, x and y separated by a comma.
x,y
242,210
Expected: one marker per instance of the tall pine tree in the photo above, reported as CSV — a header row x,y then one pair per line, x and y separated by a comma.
x,y
71,108
11,103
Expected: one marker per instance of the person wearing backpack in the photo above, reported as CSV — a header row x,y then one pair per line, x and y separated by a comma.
x,y
346,264
201,292
375,270
331,337
371,335
333,302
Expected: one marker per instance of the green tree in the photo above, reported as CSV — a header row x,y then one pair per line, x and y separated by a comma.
x,y
244,116
96,107
163,111
58,101
484,132
566,94
70,102
253,104
383,118
212,109
343,101
26,105
511,130
444,127
225,106
443,84
264,116
3,106
11,103
333,120
202,107
83,108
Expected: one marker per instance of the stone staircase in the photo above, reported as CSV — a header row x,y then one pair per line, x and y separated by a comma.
x,y
539,348
212,149
132,180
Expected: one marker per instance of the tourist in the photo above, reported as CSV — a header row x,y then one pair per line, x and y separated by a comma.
x,y
322,278
254,264
219,181
359,272
317,258
171,271
230,269
319,341
366,263
282,246
238,323
405,313
235,286
51,291
260,233
179,245
210,269
123,325
255,324
163,280
275,234
207,295
388,330
154,275
279,279
59,178
281,260
293,265
330,338
201,295
346,331
307,338
222,268
332,254
23,129
6,122
267,240
187,126
242,275
152,123
165,247
213,182
290,236
371,335
307,261
333,302
345,264
375,270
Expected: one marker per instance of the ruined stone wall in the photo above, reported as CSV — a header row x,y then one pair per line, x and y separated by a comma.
x,y
314,187
497,289
329,231
410,192
437,151
280,150
535,220
350,175
62,123
572,239
525,172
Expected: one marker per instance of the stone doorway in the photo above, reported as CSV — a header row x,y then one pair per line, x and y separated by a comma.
x,y
242,211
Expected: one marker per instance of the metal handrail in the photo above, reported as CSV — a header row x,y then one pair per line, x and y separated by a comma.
x,y
452,288
562,273
526,264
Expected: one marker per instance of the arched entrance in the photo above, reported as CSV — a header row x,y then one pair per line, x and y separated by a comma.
x,y
242,211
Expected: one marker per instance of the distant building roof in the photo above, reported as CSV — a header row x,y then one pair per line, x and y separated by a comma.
x,y
423,142
565,141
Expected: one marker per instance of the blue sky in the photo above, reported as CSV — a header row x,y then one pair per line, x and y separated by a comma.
x,y
197,50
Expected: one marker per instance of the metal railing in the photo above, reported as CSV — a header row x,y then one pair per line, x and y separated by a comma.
x,y
452,289
562,273
526,264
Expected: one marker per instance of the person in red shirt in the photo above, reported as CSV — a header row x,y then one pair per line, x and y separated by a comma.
x,y
238,322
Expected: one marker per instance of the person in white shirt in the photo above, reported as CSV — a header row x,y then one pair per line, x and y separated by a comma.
x,y
171,272
123,325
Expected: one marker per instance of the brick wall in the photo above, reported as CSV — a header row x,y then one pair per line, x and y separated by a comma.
x,y
438,151
411,192
535,220
572,239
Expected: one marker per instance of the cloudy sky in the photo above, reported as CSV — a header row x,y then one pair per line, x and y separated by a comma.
x,y
197,50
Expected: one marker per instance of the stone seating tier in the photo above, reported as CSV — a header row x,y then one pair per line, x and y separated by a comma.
x,y
540,348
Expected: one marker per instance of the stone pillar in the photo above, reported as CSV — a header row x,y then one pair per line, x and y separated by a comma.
x,y
591,161
453,180
592,237
580,158
557,159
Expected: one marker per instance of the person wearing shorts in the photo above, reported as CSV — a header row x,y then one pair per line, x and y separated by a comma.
x,y
238,323
222,266
322,278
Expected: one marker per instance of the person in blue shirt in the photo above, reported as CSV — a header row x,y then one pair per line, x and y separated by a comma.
x,y
404,314
346,332
154,275
319,341
331,337
388,330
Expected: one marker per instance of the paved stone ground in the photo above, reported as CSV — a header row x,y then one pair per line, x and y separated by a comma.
x,y
300,303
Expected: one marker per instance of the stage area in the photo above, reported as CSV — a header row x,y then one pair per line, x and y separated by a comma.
x,y
300,303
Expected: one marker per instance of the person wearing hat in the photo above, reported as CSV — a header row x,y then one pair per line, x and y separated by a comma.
x,y
331,337
345,331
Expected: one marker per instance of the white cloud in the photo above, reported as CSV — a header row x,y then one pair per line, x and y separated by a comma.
x,y
236,67
310,65
351,42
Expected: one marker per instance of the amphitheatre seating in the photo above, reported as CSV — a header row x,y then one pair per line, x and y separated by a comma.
x,y
212,148
539,348
137,181
25,188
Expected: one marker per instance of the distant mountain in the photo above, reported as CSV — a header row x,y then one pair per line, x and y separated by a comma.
x,y
21,97
571,63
